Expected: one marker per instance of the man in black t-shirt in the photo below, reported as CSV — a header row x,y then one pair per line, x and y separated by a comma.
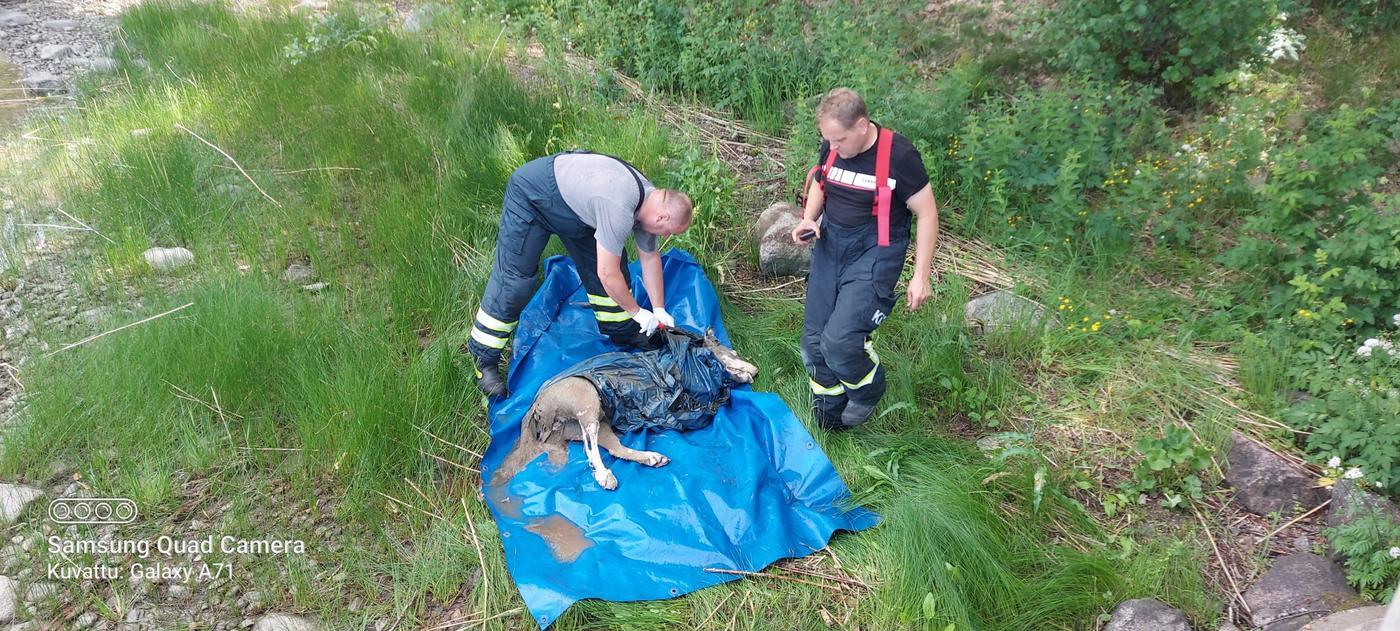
x,y
855,262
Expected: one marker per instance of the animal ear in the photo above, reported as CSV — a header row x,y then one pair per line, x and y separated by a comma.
x,y
710,335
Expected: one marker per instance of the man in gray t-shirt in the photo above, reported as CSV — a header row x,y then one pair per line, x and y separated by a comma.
x,y
591,202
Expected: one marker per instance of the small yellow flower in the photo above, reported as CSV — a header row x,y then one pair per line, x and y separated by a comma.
x,y
1086,319
1094,326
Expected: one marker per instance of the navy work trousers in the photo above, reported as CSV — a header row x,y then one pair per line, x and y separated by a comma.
x,y
850,291
532,211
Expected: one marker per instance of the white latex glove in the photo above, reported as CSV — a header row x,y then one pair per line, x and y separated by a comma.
x,y
647,320
666,319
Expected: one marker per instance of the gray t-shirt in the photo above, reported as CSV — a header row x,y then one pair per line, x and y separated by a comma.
x,y
603,193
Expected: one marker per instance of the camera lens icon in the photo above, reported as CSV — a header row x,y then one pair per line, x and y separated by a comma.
x,y
92,510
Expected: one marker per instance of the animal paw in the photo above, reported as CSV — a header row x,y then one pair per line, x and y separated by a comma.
x,y
605,479
652,459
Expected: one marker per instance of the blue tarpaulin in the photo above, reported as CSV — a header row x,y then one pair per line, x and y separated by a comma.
x,y
748,490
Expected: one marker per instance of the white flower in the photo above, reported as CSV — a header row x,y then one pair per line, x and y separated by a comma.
x,y
1396,319
1284,43
1334,462
1372,342
1364,351
1353,473
1395,552
1378,483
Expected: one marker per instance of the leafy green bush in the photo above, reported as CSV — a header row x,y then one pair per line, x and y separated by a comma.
x,y
1354,417
1031,166
749,56
356,27
1323,231
1169,466
1362,16
1371,545
1325,235
1188,48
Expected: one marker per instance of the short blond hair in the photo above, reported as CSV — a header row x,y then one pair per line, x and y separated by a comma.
x,y
842,105
678,205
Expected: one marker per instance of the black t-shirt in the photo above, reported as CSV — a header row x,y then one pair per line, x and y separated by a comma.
x,y
850,186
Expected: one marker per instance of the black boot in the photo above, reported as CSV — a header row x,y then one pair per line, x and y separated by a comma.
x,y
488,373
827,410
856,413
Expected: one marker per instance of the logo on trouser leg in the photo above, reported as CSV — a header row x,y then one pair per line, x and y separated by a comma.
x,y
878,318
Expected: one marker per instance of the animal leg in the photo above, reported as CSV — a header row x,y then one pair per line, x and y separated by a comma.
x,y
588,424
608,439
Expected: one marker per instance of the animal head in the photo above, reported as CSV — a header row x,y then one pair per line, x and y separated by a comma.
x,y
740,370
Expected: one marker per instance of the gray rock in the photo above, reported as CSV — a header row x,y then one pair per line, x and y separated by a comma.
x,y
178,591
43,83
168,259
1147,614
284,622
1265,483
13,499
299,273
424,17
772,214
1298,589
1350,502
39,591
8,602
994,442
84,621
14,18
1001,310
102,64
1360,619
777,254
63,24
57,51
96,315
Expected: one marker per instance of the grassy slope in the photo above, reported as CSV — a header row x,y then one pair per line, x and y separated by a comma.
x,y
348,376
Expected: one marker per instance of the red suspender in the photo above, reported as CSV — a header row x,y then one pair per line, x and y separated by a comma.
x,y
881,207
825,169
882,185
